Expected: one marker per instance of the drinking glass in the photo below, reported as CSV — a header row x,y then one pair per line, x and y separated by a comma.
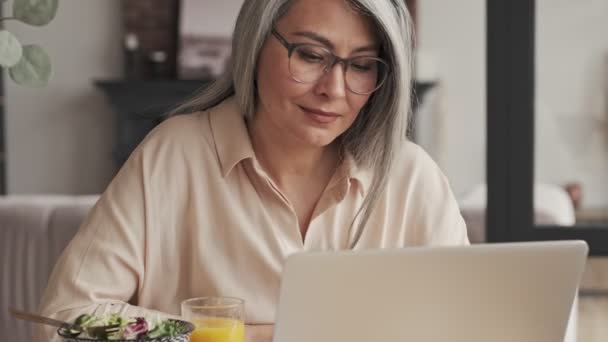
x,y
216,319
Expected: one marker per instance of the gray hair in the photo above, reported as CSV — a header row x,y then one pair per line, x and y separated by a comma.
x,y
380,128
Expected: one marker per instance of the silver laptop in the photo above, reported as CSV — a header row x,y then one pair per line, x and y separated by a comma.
x,y
493,292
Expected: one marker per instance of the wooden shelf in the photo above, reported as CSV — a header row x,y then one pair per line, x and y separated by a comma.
x,y
591,216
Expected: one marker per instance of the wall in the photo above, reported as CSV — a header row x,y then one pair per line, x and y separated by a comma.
x,y
59,138
572,92
451,35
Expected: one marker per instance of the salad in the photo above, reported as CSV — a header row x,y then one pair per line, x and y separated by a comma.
x,y
116,327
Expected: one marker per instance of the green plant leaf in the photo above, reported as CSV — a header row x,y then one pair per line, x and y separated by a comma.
x,y
35,12
34,68
10,49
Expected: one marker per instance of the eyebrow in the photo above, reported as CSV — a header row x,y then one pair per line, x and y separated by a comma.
x,y
329,44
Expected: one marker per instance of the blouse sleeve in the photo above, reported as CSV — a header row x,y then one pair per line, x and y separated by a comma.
x,y
102,268
434,211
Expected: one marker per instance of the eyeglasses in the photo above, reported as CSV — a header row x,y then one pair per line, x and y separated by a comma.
x,y
308,63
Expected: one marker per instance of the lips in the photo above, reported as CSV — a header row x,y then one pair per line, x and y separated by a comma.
x,y
320,116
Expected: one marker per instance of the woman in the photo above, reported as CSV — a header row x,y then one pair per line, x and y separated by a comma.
x,y
300,146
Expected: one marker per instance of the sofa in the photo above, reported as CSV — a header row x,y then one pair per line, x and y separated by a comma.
x,y
33,232
35,229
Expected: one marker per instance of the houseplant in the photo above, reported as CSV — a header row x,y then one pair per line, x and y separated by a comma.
x,y
27,65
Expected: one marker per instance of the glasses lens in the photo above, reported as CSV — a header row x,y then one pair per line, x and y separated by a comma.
x,y
307,63
366,74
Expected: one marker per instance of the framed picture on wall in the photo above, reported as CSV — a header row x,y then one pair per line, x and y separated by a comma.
x,y
202,57
205,30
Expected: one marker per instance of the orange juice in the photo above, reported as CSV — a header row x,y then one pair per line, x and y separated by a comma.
x,y
218,330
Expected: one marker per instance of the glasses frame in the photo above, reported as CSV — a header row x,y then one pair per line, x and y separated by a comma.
x,y
346,62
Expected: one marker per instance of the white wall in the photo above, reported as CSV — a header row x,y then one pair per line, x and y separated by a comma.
x,y
451,35
59,138
572,96
572,92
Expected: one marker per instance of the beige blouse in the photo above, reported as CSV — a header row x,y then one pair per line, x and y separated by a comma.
x,y
192,213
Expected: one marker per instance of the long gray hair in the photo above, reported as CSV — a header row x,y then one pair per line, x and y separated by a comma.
x,y
380,128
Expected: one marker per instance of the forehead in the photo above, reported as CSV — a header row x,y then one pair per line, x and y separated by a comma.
x,y
335,19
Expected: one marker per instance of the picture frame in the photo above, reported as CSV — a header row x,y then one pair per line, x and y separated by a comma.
x,y
205,37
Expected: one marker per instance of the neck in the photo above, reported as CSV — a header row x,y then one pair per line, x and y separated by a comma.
x,y
286,160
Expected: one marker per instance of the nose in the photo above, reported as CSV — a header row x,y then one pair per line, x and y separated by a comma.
x,y
332,83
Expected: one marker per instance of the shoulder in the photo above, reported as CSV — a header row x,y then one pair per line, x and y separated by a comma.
x,y
412,163
195,140
178,135
195,129
416,177
182,128
418,182
173,146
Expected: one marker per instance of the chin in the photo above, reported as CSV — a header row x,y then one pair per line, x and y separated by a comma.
x,y
315,139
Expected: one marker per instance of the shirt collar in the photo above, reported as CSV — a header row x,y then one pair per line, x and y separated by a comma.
x,y
233,144
232,141
355,173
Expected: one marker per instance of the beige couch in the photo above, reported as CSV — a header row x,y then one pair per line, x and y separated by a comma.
x,y
35,229
33,232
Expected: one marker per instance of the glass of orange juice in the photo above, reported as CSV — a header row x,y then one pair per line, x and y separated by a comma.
x,y
216,319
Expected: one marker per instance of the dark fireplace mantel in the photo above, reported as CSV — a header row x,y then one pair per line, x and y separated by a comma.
x,y
141,105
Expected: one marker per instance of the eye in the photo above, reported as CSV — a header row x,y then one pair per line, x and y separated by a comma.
x,y
364,65
309,55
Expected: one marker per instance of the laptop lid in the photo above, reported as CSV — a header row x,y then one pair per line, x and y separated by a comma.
x,y
491,292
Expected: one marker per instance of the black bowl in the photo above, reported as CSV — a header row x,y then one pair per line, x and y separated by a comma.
x,y
189,327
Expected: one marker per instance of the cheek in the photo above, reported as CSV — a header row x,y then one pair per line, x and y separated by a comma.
x,y
357,102
266,77
273,78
